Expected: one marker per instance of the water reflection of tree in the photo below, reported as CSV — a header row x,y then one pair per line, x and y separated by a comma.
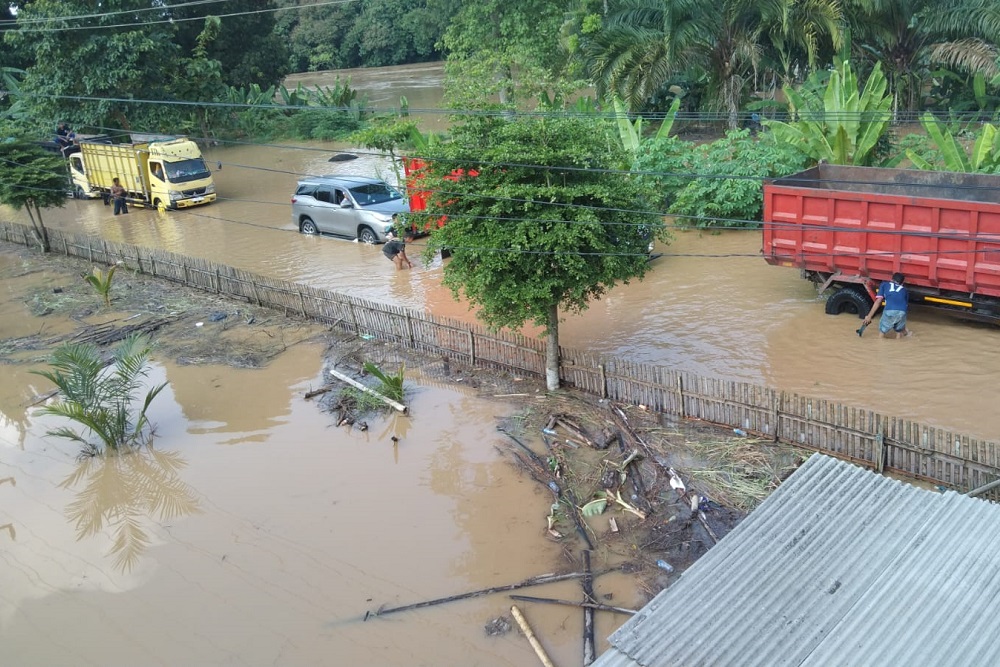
x,y
121,489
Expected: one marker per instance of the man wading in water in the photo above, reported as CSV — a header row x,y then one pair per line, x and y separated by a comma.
x,y
395,250
896,304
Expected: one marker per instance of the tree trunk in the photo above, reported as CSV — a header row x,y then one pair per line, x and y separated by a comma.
x,y
37,226
552,350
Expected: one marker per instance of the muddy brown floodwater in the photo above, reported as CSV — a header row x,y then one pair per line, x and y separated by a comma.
x,y
257,532
285,529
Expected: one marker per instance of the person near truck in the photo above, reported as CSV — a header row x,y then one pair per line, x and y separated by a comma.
x,y
896,301
395,250
118,194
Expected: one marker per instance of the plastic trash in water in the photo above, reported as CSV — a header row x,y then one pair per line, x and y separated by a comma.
x,y
548,431
554,487
740,432
664,565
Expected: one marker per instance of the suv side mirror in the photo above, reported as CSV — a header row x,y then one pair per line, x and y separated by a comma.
x,y
346,203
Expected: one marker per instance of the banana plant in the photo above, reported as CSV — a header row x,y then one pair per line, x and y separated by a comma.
x,y
985,156
631,133
839,124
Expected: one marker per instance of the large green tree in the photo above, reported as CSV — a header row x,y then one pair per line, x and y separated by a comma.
x,y
32,178
644,43
504,49
110,57
246,46
544,225
909,37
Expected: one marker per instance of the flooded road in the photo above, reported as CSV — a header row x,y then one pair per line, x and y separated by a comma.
x,y
257,533
710,305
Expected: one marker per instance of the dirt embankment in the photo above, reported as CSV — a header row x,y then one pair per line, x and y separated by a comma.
x,y
641,492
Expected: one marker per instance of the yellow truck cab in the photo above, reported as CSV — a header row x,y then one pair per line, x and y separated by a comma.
x,y
167,173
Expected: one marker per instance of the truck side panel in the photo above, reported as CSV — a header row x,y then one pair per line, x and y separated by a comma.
x,y
943,244
105,162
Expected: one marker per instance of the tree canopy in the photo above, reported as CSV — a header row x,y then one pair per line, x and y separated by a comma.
x,y
547,222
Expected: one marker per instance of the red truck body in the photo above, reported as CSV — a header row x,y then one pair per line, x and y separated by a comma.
x,y
851,227
413,170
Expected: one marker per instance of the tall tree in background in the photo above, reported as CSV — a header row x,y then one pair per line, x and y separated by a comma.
x,y
75,59
367,33
645,42
247,47
907,37
503,48
543,227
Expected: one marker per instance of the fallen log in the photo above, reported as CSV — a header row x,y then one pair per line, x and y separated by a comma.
x,y
316,392
534,581
532,639
569,603
357,385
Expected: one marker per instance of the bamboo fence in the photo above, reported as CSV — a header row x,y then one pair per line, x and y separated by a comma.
x,y
881,442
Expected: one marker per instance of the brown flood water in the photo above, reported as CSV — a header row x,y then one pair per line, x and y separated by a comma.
x,y
258,533
285,529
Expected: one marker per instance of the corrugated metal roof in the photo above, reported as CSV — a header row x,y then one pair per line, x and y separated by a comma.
x,y
839,566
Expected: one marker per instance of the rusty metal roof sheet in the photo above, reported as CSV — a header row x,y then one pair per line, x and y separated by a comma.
x,y
838,566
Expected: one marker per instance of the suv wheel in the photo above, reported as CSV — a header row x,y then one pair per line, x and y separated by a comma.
x,y
366,235
307,226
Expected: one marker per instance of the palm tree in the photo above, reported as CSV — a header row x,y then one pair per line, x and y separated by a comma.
x,y
102,401
909,36
647,41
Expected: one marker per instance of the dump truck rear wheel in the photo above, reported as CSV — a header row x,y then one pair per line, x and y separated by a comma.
x,y
849,299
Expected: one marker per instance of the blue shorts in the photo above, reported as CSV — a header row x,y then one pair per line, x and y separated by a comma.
x,y
892,319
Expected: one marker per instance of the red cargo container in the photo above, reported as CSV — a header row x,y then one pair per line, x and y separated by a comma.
x,y
849,228
412,169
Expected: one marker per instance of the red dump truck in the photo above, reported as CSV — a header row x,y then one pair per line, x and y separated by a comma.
x,y
849,228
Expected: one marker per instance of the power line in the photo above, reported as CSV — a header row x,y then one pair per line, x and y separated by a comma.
x,y
191,18
161,8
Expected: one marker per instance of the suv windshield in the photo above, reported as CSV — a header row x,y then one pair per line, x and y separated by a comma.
x,y
374,193
187,170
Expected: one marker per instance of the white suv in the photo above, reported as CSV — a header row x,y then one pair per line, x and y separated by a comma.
x,y
355,207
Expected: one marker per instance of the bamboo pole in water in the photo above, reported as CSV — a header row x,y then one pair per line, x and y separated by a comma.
x,y
532,639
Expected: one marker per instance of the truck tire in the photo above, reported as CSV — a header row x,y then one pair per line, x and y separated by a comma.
x,y
851,299
78,193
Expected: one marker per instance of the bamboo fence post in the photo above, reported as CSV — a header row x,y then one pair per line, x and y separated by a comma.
x,y
472,347
604,380
302,303
185,267
218,281
253,288
776,400
879,448
680,397
532,639
409,330
354,318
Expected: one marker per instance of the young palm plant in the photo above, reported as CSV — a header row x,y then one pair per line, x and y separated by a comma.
x,y
391,385
101,281
102,401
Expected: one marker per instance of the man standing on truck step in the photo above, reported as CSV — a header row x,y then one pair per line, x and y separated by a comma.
x,y
118,194
896,301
